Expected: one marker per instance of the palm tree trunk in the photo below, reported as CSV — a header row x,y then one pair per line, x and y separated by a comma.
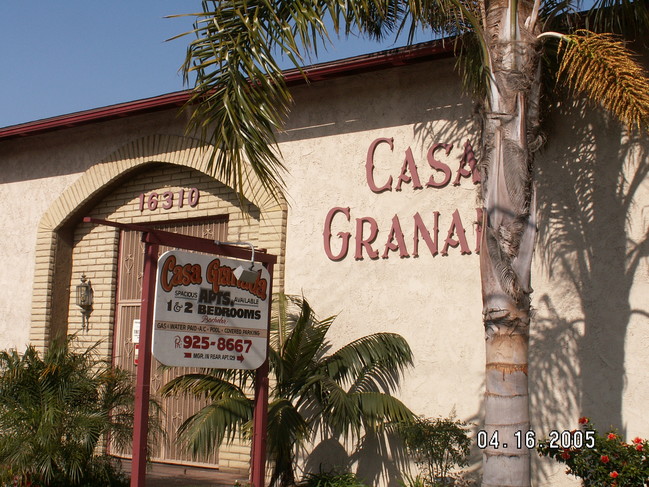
x,y
506,321
508,236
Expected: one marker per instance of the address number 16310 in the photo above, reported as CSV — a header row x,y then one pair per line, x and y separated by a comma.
x,y
167,200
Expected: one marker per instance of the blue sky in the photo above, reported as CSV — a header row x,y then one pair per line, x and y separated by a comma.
x,y
62,56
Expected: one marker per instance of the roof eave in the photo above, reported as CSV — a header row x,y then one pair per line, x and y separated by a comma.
x,y
318,72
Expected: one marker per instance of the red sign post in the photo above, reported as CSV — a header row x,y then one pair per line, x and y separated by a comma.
x,y
152,240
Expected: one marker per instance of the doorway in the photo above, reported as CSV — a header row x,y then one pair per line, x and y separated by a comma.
x,y
125,353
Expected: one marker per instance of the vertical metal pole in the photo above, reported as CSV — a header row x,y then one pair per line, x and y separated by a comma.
x,y
260,418
260,414
143,378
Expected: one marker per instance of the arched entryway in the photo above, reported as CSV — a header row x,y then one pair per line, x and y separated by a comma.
x,y
158,181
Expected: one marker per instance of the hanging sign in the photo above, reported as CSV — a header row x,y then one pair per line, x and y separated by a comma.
x,y
205,317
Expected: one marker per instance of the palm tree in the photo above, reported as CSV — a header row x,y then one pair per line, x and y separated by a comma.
x,y
55,409
344,393
241,100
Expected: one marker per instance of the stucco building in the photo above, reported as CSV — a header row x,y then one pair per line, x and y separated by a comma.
x,y
380,226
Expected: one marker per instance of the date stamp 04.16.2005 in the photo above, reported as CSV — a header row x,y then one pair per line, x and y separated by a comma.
x,y
529,439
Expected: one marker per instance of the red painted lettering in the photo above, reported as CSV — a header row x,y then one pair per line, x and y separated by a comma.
x,y
468,158
395,233
409,166
369,166
420,228
439,166
366,243
458,229
344,236
173,275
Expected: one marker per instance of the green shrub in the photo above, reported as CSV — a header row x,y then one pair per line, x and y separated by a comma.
x,y
346,392
600,460
437,446
331,479
416,481
54,411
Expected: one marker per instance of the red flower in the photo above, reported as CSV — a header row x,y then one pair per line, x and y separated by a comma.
x,y
605,459
583,420
638,447
614,474
611,436
637,440
565,455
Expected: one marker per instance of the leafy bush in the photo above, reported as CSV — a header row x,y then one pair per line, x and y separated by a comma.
x,y
102,471
346,392
438,446
602,460
54,410
331,479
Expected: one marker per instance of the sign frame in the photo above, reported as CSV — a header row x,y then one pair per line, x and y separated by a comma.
x,y
205,317
152,240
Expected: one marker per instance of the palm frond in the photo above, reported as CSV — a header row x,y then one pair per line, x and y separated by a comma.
x,y
302,345
377,409
471,67
240,99
307,340
389,349
311,391
55,409
557,12
217,423
376,377
624,17
602,68
286,426
201,385
341,413
446,18
378,21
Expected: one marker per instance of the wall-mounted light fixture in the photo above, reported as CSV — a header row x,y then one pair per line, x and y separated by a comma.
x,y
241,273
84,300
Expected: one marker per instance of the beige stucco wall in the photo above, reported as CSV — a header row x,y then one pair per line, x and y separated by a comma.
x,y
591,273
434,302
590,333
591,278
35,173
151,155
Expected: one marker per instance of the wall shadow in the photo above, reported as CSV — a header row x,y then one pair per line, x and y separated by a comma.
x,y
374,101
376,458
553,375
590,250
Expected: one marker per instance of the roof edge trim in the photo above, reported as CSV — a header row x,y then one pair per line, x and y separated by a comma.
x,y
310,74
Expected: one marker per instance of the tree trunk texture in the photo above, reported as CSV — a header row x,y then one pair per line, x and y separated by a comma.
x,y
509,231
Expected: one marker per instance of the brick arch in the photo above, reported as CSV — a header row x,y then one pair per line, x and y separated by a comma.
x,y
53,241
